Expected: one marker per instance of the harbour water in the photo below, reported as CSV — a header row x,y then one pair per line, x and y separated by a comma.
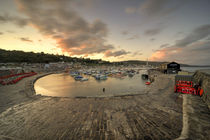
x,y
193,69
63,85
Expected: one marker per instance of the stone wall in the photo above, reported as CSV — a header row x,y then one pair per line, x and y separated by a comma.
x,y
202,77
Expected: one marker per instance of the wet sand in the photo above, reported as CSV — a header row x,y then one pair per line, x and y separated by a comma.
x,y
156,114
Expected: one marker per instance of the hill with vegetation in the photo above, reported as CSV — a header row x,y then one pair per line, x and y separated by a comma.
x,y
31,57
15,56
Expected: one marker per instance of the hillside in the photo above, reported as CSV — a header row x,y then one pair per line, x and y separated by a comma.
x,y
15,56
31,57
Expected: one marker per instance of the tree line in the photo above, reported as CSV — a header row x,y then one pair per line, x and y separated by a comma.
x,y
15,56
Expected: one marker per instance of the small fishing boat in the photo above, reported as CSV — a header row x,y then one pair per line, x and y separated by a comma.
x,y
131,74
148,83
101,77
78,77
84,79
73,74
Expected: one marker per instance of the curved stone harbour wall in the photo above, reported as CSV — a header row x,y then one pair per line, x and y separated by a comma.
x,y
31,84
202,77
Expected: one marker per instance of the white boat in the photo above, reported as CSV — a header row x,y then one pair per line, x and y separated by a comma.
x,y
84,79
73,74
101,77
131,74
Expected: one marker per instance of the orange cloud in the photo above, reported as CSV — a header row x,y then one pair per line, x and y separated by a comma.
x,y
73,34
167,54
158,55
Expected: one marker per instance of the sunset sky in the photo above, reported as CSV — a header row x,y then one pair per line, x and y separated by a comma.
x,y
114,30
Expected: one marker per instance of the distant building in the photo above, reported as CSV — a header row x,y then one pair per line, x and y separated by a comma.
x,y
163,67
46,66
170,68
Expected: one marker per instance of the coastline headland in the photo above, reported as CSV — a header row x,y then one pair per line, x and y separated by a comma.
x,y
157,114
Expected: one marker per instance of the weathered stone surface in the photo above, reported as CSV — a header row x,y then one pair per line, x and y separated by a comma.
x,y
202,77
155,114
196,119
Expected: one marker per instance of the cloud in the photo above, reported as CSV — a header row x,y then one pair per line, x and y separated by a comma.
x,y
9,31
124,32
198,33
192,49
130,10
4,18
197,53
26,39
72,33
116,53
153,9
164,45
157,8
133,37
152,32
152,39
136,53
21,22
201,46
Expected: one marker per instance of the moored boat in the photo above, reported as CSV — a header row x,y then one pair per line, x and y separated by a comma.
x,y
78,77
101,77
84,79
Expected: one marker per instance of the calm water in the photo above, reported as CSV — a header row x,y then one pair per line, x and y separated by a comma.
x,y
193,69
64,85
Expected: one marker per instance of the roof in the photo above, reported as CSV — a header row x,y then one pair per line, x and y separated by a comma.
x,y
173,62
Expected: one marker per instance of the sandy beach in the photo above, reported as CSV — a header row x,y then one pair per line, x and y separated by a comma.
x,y
156,114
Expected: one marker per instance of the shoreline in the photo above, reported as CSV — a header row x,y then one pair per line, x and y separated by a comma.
x,y
37,78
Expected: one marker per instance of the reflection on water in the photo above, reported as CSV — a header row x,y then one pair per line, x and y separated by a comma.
x,y
64,85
